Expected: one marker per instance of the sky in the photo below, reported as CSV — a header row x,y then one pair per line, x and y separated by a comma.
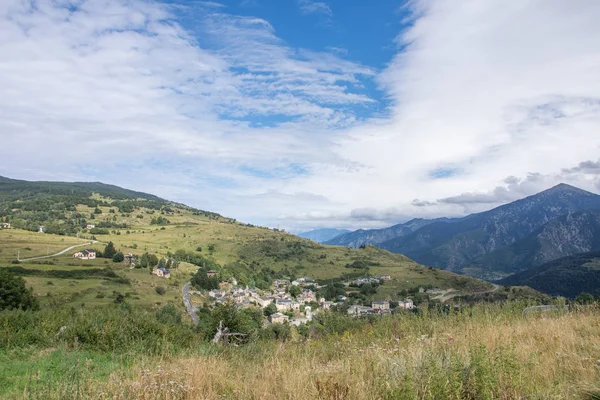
x,y
304,114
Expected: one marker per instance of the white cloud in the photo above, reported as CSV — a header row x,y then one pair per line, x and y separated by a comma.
x,y
125,92
314,7
119,91
486,90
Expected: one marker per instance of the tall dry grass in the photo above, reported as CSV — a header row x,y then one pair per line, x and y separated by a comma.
x,y
490,352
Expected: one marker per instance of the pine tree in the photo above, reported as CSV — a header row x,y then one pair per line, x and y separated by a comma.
x,y
109,250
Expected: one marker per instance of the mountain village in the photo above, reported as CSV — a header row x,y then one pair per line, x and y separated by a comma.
x,y
301,308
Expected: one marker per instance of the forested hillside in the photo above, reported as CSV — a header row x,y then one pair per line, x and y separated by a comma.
x,y
567,276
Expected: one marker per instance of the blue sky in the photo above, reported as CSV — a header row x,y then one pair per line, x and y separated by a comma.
x,y
303,113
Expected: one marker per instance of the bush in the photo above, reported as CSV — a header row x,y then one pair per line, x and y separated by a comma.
x,y
247,322
584,298
118,257
327,322
281,332
13,294
119,298
99,231
160,290
200,280
119,328
147,261
270,310
168,315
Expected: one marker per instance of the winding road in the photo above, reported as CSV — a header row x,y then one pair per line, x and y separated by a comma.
x,y
59,253
446,297
188,303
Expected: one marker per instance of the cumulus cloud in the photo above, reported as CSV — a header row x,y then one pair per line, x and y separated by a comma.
x,y
586,167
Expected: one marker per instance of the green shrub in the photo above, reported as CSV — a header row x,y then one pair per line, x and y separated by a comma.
x,y
118,257
282,332
168,315
13,294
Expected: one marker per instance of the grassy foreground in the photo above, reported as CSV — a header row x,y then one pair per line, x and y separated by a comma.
x,y
484,352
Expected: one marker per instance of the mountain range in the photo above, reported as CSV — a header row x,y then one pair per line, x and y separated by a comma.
x,y
557,222
376,236
322,235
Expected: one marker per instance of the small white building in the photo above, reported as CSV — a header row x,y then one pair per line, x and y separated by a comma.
x,y
326,305
87,254
307,296
216,293
162,272
90,226
357,310
406,304
380,305
4,225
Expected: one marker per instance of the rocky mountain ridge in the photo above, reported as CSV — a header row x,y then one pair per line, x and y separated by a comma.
x,y
557,222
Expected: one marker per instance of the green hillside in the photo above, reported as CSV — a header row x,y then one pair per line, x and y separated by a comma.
x,y
27,205
138,223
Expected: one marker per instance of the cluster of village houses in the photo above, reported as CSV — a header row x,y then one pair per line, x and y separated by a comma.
x,y
307,298
245,297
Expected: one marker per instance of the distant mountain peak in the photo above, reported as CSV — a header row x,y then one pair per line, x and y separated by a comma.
x,y
323,234
564,187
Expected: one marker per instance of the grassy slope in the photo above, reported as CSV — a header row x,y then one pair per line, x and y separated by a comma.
x,y
489,352
32,244
233,243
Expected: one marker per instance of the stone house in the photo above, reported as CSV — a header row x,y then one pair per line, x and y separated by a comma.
x,y
406,304
380,305
264,300
278,318
286,305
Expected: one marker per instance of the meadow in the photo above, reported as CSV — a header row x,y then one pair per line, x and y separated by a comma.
x,y
488,351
